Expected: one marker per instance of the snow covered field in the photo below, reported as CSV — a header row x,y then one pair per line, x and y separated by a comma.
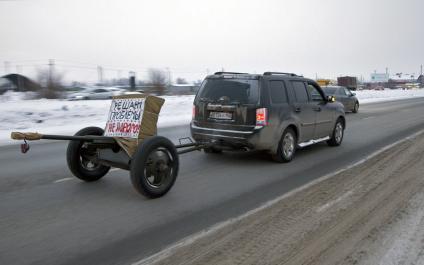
x,y
67,117
370,96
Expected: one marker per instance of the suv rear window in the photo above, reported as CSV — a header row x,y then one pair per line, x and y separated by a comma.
x,y
230,90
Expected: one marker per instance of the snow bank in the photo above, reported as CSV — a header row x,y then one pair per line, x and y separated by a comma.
x,y
67,117
370,96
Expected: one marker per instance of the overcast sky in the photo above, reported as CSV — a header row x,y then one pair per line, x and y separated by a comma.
x,y
323,37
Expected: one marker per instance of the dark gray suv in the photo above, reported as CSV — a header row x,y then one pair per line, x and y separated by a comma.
x,y
276,112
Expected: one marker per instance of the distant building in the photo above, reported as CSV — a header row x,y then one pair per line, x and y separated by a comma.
x,y
18,82
420,80
379,78
5,85
401,80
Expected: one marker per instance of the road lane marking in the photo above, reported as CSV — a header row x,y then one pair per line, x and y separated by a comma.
x,y
369,117
66,179
62,180
169,250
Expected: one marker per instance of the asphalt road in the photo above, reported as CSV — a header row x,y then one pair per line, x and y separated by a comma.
x,y
48,217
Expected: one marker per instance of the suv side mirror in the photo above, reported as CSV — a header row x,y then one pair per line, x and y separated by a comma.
x,y
331,98
353,94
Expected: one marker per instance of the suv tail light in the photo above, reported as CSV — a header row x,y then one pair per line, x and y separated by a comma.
x,y
261,117
193,112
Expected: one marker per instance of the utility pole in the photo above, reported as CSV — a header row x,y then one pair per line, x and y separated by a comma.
x,y
51,69
100,74
421,71
132,80
169,75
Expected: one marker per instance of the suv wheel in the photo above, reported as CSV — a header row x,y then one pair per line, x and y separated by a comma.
x,y
356,108
286,147
338,133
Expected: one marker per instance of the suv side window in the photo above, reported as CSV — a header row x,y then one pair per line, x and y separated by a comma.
x,y
300,91
313,91
277,91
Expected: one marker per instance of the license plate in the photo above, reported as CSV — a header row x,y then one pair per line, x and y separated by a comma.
x,y
221,115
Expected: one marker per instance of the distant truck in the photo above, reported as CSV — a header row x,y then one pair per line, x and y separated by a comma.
x,y
323,82
348,81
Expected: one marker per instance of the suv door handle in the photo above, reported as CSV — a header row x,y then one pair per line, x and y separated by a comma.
x,y
317,108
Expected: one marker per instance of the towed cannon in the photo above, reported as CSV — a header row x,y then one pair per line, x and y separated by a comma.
x,y
128,142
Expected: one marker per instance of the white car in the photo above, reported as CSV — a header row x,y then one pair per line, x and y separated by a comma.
x,y
95,93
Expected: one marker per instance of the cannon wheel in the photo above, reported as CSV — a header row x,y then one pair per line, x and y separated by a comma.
x,y
77,156
154,167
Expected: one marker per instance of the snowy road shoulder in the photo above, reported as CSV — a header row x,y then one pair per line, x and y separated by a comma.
x,y
378,222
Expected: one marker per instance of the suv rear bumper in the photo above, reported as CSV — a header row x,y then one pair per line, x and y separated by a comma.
x,y
226,139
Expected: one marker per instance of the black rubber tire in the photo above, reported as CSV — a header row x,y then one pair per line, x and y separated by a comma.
x,y
73,157
356,107
140,161
211,150
280,156
333,141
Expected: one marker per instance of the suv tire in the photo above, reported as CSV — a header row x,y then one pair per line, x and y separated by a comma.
x,y
286,147
337,135
356,107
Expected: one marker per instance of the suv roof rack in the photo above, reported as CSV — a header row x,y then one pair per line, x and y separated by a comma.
x,y
280,73
230,73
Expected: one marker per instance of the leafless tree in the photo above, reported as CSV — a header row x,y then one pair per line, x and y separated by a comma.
x,y
51,83
157,79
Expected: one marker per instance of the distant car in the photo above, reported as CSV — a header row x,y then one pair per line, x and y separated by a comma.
x,y
343,95
95,93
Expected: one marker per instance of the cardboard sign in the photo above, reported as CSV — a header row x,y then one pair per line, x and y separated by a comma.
x,y
125,117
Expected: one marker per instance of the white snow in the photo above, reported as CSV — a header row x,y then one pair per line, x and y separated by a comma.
x,y
18,113
67,117
370,96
